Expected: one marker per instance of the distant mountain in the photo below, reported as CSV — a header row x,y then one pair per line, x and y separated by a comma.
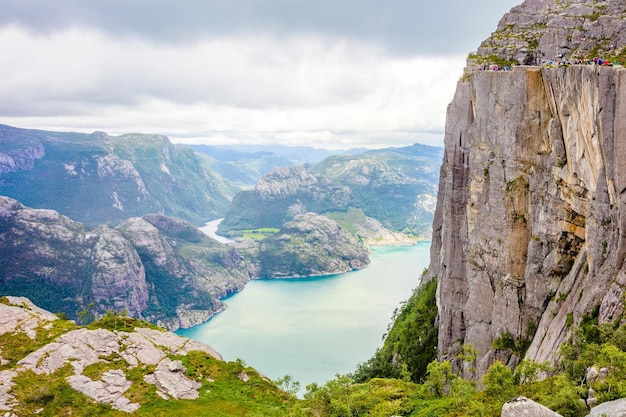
x,y
101,179
244,165
396,186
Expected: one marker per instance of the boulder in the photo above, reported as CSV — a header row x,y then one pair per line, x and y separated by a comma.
x,y
615,408
524,407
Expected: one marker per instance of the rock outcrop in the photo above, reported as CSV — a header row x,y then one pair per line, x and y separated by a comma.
x,y
616,408
528,233
548,31
114,352
524,407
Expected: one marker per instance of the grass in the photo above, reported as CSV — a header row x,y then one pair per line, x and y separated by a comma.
x,y
255,234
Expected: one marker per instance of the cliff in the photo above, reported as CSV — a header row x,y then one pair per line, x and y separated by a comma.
x,y
529,227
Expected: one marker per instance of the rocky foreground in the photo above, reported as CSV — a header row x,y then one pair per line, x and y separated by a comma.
x,y
121,367
82,348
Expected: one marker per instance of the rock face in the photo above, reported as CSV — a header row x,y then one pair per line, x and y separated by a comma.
x,y
59,263
540,31
310,245
528,232
524,407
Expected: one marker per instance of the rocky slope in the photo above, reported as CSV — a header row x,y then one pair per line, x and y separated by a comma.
x,y
115,367
544,31
157,268
395,186
101,179
310,245
529,228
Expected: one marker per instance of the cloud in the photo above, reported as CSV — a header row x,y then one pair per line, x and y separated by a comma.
x,y
334,73
408,26
307,84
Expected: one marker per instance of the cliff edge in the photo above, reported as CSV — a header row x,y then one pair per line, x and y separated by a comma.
x,y
529,231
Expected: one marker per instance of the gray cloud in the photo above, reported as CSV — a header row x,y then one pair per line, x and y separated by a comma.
x,y
402,26
336,73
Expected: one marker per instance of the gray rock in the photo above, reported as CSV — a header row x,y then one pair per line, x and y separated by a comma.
x,y
173,383
7,401
615,408
21,315
109,390
524,407
592,375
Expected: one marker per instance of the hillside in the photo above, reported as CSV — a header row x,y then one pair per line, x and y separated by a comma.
x,y
396,186
101,179
157,268
119,366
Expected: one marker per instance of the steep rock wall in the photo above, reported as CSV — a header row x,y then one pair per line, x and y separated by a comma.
x,y
529,228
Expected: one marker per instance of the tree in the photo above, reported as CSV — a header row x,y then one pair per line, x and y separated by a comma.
x,y
291,387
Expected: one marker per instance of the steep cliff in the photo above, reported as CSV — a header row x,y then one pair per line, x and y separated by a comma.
x,y
530,222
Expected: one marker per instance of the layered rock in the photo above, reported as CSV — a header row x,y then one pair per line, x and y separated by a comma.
x,y
528,230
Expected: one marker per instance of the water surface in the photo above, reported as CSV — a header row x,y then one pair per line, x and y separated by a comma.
x,y
314,328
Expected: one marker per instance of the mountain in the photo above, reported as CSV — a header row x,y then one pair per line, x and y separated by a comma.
x,y
101,179
244,165
157,268
396,186
119,366
528,232
310,245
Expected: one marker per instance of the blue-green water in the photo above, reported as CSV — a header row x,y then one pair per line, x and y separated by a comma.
x,y
314,328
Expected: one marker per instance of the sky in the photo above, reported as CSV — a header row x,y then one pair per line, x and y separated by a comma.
x,y
326,73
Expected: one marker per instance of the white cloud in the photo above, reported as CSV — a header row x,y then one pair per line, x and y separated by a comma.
x,y
298,89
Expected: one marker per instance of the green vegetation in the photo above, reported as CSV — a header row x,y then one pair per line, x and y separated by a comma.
x,y
256,234
16,346
443,393
99,179
411,343
492,60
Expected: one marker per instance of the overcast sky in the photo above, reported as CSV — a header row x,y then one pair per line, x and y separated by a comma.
x,y
327,73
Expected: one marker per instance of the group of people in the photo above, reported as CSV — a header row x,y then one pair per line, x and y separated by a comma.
x,y
561,62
